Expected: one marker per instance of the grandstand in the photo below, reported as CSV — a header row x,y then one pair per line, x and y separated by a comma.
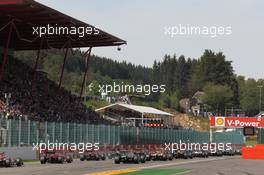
x,y
45,102
25,92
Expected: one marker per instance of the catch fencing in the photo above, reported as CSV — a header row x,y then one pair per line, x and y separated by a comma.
x,y
15,133
235,137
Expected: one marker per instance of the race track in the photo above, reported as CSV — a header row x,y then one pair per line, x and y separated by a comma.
x,y
211,166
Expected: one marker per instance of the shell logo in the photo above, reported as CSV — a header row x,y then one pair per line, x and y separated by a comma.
x,y
219,121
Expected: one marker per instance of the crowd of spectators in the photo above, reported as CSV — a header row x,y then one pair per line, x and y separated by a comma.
x,y
9,111
41,99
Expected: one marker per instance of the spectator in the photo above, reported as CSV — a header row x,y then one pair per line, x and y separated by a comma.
x,y
44,101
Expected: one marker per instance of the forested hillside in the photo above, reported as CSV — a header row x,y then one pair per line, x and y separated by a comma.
x,y
212,73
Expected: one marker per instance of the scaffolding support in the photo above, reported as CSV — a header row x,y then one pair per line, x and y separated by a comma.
x,y
88,55
63,65
36,63
5,59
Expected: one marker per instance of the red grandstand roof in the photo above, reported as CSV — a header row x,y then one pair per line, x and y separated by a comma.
x,y
29,13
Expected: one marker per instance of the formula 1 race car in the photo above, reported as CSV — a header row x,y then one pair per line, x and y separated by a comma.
x,y
92,155
238,152
183,154
148,158
6,161
55,157
128,157
142,156
112,154
228,153
217,153
160,155
200,153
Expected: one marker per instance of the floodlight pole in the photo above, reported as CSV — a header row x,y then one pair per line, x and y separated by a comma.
x,y
88,55
5,58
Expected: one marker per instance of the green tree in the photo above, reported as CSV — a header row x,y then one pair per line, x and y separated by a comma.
x,y
169,101
249,95
212,67
217,97
93,88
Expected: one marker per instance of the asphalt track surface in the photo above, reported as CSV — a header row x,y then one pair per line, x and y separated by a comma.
x,y
199,166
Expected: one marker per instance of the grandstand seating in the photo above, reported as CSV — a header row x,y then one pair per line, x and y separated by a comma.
x,y
44,101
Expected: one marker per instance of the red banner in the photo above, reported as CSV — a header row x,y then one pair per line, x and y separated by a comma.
x,y
237,122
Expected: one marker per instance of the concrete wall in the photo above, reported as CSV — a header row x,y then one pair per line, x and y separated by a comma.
x,y
26,153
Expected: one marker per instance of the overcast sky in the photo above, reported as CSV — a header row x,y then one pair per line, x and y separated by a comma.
x,y
141,23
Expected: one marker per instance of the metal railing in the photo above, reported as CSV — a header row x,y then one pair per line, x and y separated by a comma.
x,y
26,133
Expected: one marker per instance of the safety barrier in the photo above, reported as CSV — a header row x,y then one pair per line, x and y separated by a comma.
x,y
235,137
27,133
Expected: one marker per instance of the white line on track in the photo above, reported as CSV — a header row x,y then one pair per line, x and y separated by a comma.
x,y
181,163
178,163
